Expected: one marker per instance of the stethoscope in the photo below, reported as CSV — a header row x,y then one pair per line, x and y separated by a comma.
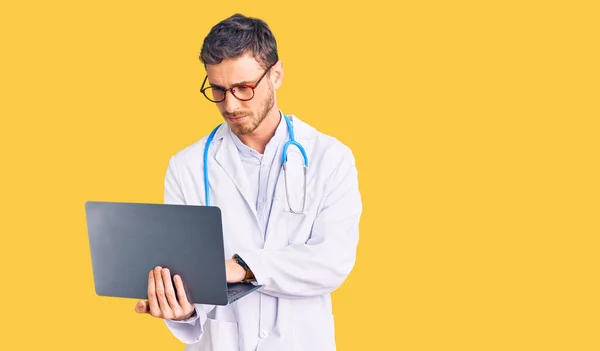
x,y
292,141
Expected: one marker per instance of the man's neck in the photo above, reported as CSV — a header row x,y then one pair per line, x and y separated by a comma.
x,y
260,137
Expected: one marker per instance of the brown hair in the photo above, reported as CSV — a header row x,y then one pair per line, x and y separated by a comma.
x,y
236,36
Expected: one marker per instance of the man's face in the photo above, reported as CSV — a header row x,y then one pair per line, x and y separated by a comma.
x,y
243,116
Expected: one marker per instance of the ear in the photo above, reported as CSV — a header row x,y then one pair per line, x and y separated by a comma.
x,y
277,75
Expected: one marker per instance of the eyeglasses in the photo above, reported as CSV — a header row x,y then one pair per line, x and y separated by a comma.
x,y
243,92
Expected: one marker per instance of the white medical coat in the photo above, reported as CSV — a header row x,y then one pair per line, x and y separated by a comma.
x,y
301,259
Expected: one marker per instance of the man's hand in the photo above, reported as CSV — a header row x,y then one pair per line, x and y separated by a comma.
x,y
234,272
162,301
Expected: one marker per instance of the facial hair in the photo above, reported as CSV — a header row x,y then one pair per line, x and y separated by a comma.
x,y
252,121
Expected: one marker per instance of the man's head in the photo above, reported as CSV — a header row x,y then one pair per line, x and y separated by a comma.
x,y
238,53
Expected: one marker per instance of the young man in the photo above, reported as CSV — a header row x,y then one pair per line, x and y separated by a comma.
x,y
292,231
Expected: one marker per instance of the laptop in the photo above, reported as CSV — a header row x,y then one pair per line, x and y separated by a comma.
x,y
128,240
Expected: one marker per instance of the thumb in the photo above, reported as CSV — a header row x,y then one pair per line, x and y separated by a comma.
x,y
142,307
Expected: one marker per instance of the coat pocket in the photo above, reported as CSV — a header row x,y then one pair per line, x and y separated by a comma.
x,y
298,229
218,336
316,333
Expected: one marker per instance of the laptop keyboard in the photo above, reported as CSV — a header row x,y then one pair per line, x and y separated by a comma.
x,y
232,292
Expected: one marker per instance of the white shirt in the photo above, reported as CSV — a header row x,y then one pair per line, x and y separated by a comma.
x,y
262,171
299,259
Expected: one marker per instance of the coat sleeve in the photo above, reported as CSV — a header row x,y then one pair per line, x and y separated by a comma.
x,y
188,331
320,265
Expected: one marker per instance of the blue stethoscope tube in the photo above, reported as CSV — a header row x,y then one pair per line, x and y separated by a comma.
x,y
291,141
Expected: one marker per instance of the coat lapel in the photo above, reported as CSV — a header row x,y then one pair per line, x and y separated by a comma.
x,y
228,158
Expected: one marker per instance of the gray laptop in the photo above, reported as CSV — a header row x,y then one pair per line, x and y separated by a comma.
x,y
127,240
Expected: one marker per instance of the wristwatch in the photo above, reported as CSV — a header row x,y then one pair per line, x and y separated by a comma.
x,y
249,275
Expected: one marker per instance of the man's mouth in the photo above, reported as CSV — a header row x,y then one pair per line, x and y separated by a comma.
x,y
237,118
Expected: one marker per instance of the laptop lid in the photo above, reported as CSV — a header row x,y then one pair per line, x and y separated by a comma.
x,y
127,240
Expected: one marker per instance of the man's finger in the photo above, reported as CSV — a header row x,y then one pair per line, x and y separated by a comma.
x,y
170,291
160,294
152,301
142,307
183,301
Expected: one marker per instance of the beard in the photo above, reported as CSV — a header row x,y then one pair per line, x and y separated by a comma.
x,y
253,120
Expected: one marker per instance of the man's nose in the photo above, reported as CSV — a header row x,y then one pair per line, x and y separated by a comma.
x,y
231,103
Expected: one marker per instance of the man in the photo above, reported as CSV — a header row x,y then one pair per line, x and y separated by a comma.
x,y
291,232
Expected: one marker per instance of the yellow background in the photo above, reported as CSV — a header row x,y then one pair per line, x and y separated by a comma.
x,y
474,125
